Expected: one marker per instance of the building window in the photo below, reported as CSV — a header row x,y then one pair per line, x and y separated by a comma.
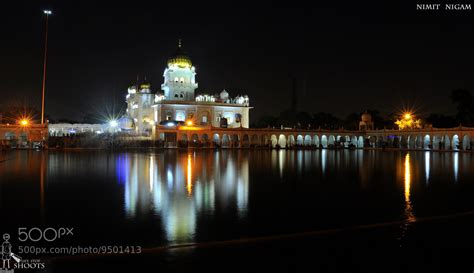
x,y
238,117
181,80
204,119
180,115
229,116
175,79
218,119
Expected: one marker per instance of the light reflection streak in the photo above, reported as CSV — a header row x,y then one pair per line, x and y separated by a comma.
x,y
427,167
151,173
456,165
408,213
189,175
183,188
323,160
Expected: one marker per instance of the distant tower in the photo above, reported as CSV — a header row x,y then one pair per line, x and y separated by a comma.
x,y
366,123
179,77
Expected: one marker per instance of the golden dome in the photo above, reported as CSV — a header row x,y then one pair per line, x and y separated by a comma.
x,y
180,58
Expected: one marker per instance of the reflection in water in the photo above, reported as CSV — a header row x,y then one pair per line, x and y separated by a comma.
x,y
323,160
456,166
427,167
178,188
409,216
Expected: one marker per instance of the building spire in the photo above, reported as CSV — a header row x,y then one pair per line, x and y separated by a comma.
x,y
179,43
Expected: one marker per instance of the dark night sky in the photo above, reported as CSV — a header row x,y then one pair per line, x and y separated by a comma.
x,y
346,58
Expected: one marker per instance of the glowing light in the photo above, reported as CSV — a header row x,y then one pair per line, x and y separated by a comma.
x,y
408,121
170,124
189,184
189,123
24,122
47,12
113,123
408,207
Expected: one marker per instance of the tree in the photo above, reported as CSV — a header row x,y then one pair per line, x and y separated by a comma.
x,y
465,106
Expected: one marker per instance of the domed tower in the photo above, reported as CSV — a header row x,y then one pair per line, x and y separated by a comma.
x,y
366,122
179,77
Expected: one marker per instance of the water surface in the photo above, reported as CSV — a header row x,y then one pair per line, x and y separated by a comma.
x,y
179,196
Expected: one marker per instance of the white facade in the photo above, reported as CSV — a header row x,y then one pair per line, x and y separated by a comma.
x,y
178,101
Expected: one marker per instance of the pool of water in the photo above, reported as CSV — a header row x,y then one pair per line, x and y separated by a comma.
x,y
170,197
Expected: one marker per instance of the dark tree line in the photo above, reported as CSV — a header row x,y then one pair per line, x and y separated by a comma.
x,y
461,98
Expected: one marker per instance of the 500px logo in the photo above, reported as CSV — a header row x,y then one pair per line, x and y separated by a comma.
x,y
48,234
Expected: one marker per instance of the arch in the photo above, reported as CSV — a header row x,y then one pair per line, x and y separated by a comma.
x,y
299,140
380,141
205,138
216,139
235,140
354,141
455,143
447,142
403,142
316,140
360,142
331,140
184,137
245,141
194,138
282,141
265,140
225,140
418,142
436,142
410,142
324,141
373,141
290,141
426,142
466,142
254,140
307,140
274,140
346,140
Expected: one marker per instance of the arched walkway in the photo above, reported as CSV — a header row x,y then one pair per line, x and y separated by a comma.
x,y
466,142
455,143
324,141
307,140
282,141
299,140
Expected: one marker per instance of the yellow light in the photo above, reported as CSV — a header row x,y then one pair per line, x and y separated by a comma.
x,y
189,182
24,122
189,123
407,116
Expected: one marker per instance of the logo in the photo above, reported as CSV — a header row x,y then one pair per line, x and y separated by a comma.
x,y
8,255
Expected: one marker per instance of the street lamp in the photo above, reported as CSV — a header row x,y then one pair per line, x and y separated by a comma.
x,y
47,13
24,122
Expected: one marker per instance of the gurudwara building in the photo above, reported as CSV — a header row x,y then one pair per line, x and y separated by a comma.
x,y
178,103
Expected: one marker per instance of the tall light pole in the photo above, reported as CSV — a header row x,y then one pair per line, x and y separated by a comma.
x,y
47,13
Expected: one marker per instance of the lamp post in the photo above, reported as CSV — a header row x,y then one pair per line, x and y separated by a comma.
x,y
47,13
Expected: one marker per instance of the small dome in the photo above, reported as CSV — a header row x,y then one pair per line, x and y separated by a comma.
x,y
145,87
180,58
224,95
366,117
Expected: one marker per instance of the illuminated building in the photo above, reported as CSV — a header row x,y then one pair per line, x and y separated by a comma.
x,y
178,101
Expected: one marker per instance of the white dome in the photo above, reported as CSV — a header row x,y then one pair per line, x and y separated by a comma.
x,y
224,95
